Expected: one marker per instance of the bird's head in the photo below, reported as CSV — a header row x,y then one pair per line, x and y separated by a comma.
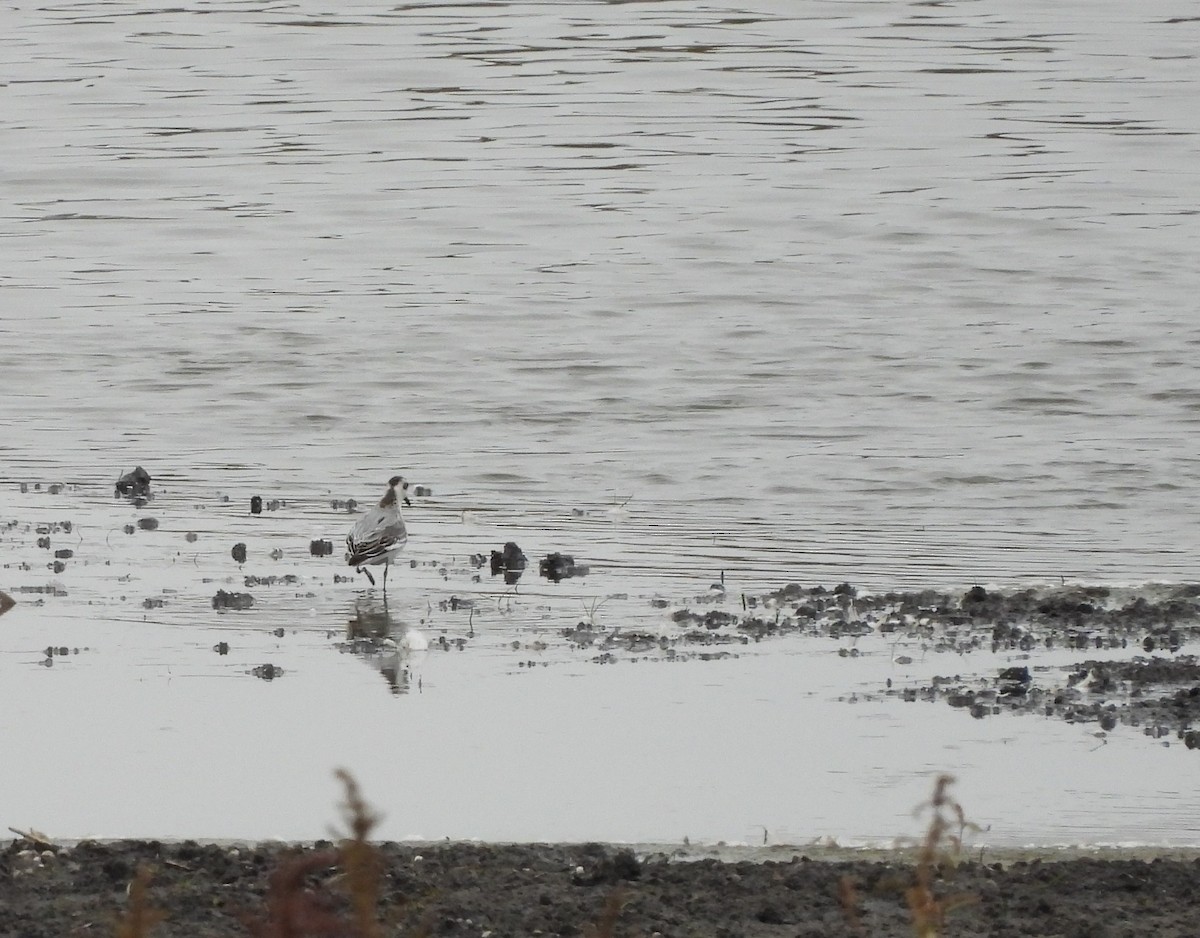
x,y
398,482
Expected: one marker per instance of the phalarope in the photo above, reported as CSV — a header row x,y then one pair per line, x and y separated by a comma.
x,y
380,534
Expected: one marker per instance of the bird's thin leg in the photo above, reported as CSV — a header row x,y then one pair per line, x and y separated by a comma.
x,y
368,573
386,567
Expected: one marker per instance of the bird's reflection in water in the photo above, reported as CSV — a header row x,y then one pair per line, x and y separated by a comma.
x,y
385,643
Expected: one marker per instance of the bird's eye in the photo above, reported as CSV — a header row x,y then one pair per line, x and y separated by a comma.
x,y
405,485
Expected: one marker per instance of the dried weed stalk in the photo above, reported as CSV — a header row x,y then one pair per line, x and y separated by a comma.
x,y
296,909
848,898
140,916
942,842
606,925
360,860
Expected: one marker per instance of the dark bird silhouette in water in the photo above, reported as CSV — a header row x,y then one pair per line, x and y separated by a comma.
x,y
379,535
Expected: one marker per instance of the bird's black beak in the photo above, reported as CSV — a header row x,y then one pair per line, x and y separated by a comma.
x,y
407,501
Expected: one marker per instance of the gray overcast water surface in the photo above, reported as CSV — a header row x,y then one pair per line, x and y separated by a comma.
x,y
903,294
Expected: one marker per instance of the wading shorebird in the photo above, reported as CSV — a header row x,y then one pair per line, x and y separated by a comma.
x,y
379,534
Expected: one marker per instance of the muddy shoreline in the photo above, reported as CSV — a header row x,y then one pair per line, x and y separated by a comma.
x,y
459,889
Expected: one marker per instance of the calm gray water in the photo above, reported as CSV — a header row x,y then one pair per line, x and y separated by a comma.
x,y
900,294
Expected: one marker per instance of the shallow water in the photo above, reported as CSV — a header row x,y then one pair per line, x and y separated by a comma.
x,y
894,295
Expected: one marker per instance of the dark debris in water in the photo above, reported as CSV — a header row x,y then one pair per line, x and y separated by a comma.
x,y
134,484
288,579
509,561
555,567
267,672
225,600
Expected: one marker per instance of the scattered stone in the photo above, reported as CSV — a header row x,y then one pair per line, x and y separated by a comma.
x,y
65,554
256,505
148,524
320,548
239,552
224,600
268,672
6,602
191,537
134,484
221,648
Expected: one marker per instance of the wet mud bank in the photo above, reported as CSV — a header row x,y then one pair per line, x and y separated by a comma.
x,y
209,891
1126,662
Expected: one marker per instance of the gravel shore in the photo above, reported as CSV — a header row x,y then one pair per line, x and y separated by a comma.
x,y
456,889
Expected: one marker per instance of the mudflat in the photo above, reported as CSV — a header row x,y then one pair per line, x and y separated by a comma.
x,y
213,891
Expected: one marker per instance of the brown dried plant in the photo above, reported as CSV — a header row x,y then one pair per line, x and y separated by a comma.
x,y
606,925
360,860
294,910
941,844
140,916
848,899
297,910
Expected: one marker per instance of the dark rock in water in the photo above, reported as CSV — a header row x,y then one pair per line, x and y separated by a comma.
x,y
6,602
135,484
1015,675
1013,683
510,561
320,548
558,566
221,648
148,524
845,589
65,554
976,594
256,505
239,552
268,672
224,600
422,491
